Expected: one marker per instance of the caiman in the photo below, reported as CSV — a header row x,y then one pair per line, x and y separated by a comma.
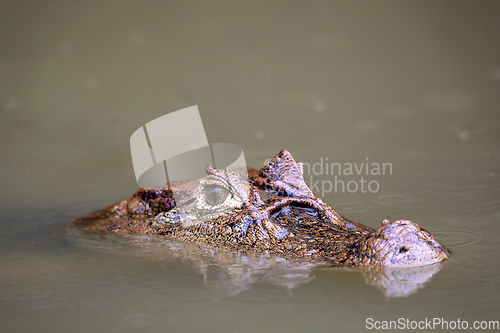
x,y
272,212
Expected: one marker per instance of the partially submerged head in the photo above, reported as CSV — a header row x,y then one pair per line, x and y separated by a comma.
x,y
404,244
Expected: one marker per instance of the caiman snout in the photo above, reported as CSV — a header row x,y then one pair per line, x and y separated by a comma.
x,y
404,244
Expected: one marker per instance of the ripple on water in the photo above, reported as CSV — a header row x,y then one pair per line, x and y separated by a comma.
x,y
349,207
455,235
138,319
454,238
8,231
53,263
392,199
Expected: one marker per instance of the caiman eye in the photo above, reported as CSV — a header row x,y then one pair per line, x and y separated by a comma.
x,y
216,195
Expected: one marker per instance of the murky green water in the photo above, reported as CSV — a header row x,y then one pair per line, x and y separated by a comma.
x,y
413,84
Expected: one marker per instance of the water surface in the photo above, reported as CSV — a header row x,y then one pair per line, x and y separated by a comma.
x,y
413,84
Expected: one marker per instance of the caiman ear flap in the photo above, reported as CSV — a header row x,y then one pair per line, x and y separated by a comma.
x,y
284,174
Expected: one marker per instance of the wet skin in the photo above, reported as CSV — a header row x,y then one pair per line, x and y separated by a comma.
x,y
272,212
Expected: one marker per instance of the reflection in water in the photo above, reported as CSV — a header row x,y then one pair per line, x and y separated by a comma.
x,y
226,273
231,275
401,282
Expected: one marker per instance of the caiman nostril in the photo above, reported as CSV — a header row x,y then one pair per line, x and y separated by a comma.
x,y
403,249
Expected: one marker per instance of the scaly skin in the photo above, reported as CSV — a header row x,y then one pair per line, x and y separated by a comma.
x,y
273,212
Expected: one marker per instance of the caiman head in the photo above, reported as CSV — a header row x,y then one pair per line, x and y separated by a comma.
x,y
272,212
403,244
